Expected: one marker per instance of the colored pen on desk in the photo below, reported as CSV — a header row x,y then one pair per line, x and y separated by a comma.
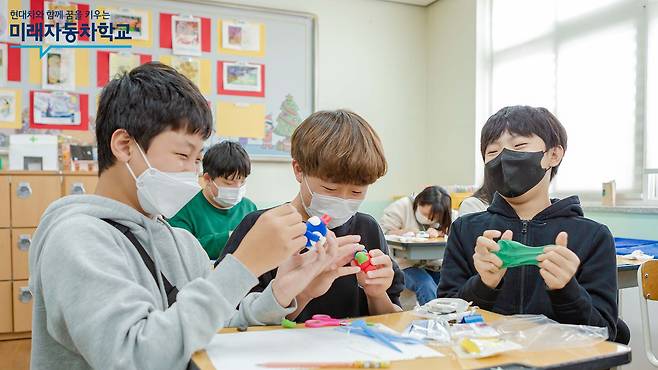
x,y
319,365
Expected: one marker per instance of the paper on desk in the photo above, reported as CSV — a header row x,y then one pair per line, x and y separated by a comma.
x,y
248,350
407,239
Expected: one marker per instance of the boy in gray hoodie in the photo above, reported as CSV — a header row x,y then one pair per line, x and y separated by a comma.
x,y
97,301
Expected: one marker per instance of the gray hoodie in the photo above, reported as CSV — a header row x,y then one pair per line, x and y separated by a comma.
x,y
96,305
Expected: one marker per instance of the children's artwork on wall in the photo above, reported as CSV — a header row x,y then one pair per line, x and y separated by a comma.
x,y
236,78
186,35
3,64
188,67
10,108
275,140
58,13
137,21
58,70
59,110
121,63
241,36
12,63
4,21
240,119
287,121
167,32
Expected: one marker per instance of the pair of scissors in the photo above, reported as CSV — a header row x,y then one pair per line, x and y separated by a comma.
x,y
319,321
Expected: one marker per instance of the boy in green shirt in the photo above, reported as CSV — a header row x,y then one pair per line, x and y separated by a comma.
x,y
220,206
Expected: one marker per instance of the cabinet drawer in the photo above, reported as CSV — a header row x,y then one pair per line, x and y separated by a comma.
x,y
5,255
79,184
4,201
5,307
22,306
30,196
21,240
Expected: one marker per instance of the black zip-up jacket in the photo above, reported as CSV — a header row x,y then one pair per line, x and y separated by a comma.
x,y
344,298
590,298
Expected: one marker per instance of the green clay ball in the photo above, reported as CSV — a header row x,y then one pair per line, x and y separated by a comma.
x,y
360,257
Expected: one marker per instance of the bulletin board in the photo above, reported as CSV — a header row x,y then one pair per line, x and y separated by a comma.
x,y
256,67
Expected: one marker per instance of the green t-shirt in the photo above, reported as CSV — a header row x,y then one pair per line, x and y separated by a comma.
x,y
209,224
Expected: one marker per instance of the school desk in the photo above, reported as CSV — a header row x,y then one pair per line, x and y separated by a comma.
x,y
430,249
604,355
627,272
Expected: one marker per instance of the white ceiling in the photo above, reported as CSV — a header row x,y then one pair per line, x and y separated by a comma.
x,y
412,2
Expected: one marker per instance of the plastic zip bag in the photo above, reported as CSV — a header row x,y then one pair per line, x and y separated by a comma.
x,y
431,331
539,333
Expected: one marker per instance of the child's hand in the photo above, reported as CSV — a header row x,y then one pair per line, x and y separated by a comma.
x,y
433,233
276,235
309,275
558,264
376,282
347,246
487,264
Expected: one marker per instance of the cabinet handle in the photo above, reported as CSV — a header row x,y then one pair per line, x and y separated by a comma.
x,y
24,295
78,188
24,242
23,190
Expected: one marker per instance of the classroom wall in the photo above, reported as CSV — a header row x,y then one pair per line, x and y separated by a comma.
x,y
372,59
451,86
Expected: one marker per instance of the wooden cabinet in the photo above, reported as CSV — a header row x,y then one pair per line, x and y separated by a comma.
x,y
24,196
22,306
30,196
79,184
6,319
4,201
5,255
21,240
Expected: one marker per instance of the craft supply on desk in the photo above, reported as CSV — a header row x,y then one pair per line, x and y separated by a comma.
x,y
445,309
386,338
483,347
288,324
430,331
320,365
245,351
319,321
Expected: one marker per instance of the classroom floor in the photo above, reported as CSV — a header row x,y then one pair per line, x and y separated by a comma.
x,y
15,354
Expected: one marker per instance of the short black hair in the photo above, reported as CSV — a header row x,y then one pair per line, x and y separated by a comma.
x,y
441,203
227,159
524,120
145,102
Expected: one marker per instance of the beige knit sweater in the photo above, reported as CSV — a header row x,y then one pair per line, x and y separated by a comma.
x,y
400,215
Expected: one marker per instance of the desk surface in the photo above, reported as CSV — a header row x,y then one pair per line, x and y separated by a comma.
x,y
601,356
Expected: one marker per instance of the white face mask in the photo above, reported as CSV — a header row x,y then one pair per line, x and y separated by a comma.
x,y
340,210
228,197
422,219
164,193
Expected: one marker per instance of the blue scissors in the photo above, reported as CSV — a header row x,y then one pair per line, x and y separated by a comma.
x,y
360,327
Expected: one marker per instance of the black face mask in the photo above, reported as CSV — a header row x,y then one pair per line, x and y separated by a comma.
x,y
513,173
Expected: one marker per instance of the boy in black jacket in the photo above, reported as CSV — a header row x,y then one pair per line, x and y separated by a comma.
x,y
336,155
575,281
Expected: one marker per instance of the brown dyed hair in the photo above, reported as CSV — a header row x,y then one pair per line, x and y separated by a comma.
x,y
339,146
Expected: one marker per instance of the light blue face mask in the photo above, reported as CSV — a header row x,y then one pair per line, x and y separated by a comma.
x,y
515,254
